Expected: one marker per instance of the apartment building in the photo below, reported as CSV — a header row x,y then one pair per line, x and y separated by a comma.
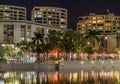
x,y
14,27
9,12
13,32
108,25
53,16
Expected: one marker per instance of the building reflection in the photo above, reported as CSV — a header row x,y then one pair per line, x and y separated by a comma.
x,y
82,77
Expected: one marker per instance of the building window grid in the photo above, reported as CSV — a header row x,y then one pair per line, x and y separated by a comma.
x,y
8,33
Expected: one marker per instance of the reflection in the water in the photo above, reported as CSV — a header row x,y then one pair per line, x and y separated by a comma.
x,y
82,77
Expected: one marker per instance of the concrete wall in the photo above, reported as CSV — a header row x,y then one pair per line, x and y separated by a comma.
x,y
89,65
27,67
64,66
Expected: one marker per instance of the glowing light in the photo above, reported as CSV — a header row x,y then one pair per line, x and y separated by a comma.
x,y
82,62
102,62
6,75
94,22
92,62
94,18
100,21
62,20
111,61
37,15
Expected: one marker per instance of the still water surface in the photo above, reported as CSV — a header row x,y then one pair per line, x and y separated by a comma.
x,y
82,77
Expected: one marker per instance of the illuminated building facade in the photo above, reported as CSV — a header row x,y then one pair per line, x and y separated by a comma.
x,y
14,27
108,26
53,16
9,12
13,32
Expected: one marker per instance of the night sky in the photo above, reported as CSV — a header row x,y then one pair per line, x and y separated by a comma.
x,y
75,8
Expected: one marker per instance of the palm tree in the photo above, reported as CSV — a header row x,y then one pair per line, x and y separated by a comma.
x,y
37,41
2,51
10,51
25,47
80,42
69,43
45,48
92,37
55,40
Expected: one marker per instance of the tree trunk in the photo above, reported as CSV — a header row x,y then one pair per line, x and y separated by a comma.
x,y
58,54
47,56
38,58
89,57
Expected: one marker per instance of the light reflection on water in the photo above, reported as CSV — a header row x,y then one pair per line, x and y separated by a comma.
x,y
82,77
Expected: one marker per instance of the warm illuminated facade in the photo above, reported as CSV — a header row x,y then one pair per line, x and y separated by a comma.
x,y
53,16
13,32
9,12
14,27
108,25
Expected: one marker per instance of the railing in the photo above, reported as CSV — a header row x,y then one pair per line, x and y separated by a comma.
x,y
20,61
31,61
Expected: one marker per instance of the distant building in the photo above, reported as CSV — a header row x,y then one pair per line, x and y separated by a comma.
x,y
14,27
9,12
13,32
108,25
53,16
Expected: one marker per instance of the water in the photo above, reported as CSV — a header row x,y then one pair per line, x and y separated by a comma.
x,y
81,77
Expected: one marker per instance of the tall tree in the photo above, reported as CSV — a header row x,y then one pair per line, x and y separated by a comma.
x,y
25,47
45,48
2,51
55,40
92,37
37,41
80,42
69,43
10,51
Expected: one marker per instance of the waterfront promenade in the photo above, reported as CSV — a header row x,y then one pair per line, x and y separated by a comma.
x,y
90,65
62,66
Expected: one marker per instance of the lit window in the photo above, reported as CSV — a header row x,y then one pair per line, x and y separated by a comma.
x,y
39,12
93,21
38,15
94,18
49,22
53,9
62,20
6,8
21,39
28,39
94,28
100,28
49,16
62,26
100,21
6,14
107,24
83,25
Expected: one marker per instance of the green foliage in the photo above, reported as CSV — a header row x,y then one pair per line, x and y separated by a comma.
x,y
37,41
9,51
117,50
55,39
25,46
69,41
91,36
3,60
37,44
2,51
